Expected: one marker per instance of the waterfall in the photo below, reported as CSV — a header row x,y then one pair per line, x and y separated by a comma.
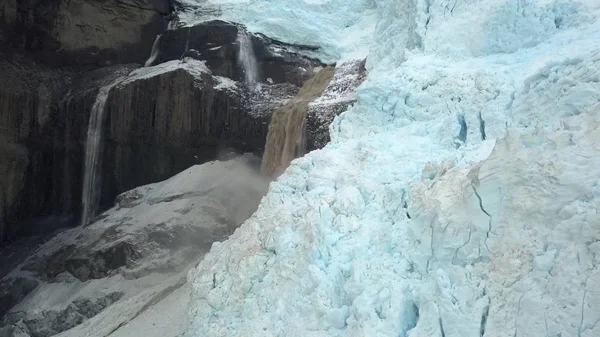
x,y
154,52
93,150
286,139
187,44
247,59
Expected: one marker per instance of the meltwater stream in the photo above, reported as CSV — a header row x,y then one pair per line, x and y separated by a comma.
x,y
93,149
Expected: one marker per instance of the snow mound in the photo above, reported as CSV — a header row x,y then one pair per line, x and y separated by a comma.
x,y
459,195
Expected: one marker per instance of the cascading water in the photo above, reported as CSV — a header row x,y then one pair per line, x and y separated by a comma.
x,y
154,52
93,149
247,59
286,139
187,44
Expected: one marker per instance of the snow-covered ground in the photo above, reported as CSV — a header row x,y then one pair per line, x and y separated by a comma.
x,y
460,195
125,273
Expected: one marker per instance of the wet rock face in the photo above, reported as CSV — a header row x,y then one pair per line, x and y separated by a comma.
x,y
29,148
156,125
62,32
164,119
216,43
43,125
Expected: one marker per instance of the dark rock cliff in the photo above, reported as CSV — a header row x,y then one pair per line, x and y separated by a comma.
x,y
164,119
88,32
158,121
31,150
43,124
216,42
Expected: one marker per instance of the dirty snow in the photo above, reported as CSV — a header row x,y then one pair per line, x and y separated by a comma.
x,y
168,226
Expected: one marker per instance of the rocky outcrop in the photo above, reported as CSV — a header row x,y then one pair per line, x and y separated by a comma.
x,y
159,120
216,42
136,254
164,119
83,31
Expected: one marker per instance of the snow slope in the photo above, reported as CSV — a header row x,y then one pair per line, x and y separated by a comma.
x,y
125,273
460,195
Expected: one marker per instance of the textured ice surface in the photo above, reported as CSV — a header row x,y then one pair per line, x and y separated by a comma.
x,y
460,196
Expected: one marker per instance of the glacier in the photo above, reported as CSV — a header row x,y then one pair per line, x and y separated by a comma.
x,y
459,196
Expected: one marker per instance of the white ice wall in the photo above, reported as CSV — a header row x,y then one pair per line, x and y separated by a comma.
x,y
398,227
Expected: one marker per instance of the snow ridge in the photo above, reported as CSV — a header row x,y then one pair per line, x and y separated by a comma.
x,y
413,223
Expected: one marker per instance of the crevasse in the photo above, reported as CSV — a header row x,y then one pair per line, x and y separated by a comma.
x,y
410,223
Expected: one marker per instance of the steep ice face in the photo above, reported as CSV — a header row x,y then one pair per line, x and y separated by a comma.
x,y
459,196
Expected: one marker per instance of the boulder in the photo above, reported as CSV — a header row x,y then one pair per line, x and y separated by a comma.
x,y
15,330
